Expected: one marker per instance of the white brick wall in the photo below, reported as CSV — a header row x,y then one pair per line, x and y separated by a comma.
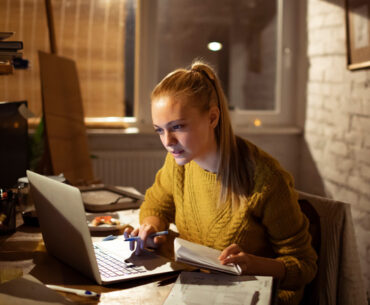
x,y
337,124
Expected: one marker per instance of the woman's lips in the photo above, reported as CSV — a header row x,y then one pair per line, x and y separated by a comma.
x,y
177,153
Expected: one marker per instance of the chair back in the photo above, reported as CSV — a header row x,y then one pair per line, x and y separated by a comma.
x,y
310,293
338,280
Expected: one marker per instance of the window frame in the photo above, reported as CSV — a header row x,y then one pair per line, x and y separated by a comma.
x,y
284,113
286,91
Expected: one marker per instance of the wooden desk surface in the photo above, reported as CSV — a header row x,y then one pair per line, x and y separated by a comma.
x,y
24,252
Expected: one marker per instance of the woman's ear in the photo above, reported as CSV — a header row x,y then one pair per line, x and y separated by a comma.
x,y
214,116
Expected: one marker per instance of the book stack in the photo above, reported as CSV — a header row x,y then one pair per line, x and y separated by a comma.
x,y
9,52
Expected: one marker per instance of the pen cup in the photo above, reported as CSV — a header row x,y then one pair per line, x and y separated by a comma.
x,y
24,199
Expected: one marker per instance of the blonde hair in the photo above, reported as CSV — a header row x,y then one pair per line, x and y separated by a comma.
x,y
203,89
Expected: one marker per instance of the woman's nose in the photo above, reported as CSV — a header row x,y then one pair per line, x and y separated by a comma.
x,y
169,139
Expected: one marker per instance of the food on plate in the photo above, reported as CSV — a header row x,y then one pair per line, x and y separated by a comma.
x,y
104,220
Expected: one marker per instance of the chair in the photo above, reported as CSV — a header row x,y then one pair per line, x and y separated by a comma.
x,y
339,279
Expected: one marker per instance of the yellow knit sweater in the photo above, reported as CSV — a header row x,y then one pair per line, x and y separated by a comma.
x,y
269,223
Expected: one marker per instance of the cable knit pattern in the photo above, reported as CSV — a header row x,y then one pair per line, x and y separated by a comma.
x,y
268,223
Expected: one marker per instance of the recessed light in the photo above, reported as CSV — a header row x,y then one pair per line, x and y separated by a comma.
x,y
214,46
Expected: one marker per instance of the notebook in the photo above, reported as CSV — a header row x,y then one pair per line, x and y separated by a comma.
x,y
202,256
220,288
66,236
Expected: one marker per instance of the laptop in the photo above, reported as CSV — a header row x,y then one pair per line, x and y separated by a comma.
x,y
66,235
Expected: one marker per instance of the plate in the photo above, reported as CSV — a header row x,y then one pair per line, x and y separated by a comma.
x,y
104,227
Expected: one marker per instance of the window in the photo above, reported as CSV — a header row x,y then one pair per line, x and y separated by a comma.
x,y
95,34
254,62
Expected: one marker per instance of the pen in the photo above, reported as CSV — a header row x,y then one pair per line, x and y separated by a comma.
x,y
81,292
132,238
110,237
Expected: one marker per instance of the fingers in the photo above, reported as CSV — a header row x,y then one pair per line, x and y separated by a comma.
x,y
158,240
139,246
242,260
234,259
130,232
144,232
127,232
233,254
229,251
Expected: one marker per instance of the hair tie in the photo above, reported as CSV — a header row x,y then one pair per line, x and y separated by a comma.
x,y
214,86
210,79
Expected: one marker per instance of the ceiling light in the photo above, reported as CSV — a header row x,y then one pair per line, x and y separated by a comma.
x,y
214,46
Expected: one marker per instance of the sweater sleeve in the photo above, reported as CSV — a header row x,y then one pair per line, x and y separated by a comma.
x,y
159,198
287,228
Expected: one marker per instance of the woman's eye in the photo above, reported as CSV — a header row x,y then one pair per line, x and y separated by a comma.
x,y
158,130
177,127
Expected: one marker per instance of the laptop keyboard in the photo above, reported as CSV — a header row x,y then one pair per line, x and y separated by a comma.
x,y
110,267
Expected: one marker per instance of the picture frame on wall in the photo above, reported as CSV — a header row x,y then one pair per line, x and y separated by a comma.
x,y
358,34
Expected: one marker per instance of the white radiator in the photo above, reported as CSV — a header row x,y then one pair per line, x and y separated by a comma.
x,y
128,168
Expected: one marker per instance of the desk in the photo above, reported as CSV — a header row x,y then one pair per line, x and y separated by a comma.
x,y
24,252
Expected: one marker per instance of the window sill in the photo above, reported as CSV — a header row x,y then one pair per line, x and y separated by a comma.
x,y
134,138
126,126
95,123
268,130
148,130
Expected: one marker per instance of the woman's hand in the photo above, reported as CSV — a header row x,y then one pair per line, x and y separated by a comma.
x,y
146,229
234,255
252,264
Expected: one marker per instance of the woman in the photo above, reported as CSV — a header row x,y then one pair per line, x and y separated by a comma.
x,y
222,191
